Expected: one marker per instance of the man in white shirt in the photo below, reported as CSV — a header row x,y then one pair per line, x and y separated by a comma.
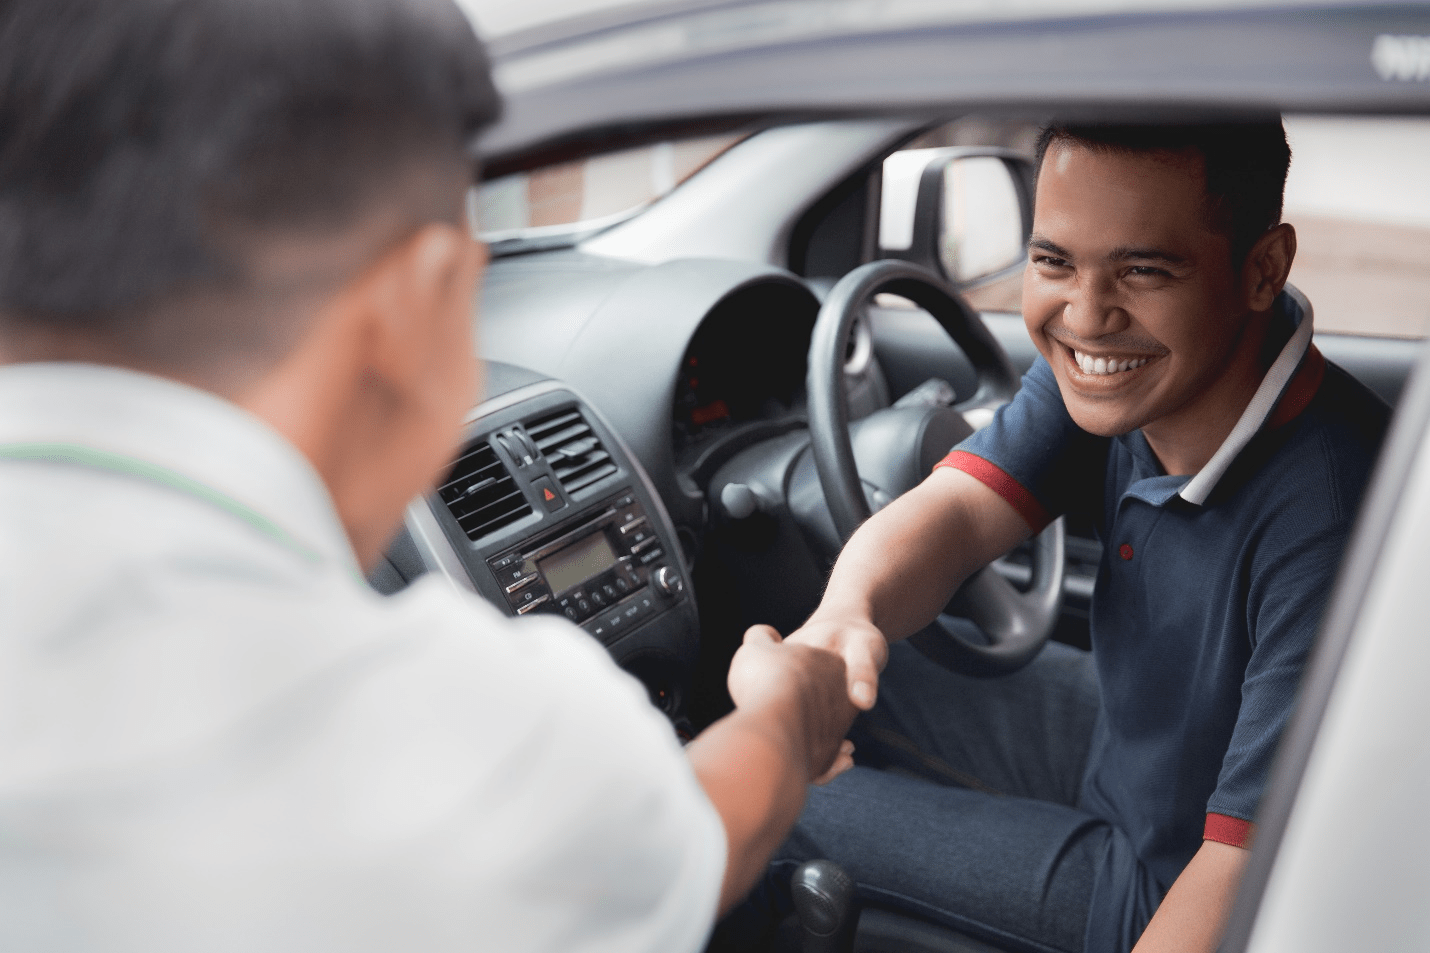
x,y
235,340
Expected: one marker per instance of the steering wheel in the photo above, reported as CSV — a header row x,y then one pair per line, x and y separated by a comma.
x,y
1014,624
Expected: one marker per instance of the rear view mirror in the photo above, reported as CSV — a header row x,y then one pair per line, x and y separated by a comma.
x,y
964,212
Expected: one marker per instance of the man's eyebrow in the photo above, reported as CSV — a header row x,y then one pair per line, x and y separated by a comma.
x,y
1123,253
1052,248
1146,254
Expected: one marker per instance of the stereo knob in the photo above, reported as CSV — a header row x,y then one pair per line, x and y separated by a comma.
x,y
668,581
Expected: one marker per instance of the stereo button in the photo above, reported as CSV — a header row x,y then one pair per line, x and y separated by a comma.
x,y
523,610
533,594
668,581
521,583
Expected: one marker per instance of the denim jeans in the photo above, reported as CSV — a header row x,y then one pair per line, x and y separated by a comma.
x,y
962,810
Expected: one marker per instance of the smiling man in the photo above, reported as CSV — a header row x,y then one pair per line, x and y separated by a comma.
x,y
1105,800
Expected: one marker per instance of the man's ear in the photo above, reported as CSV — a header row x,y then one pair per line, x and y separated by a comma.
x,y
1267,267
413,289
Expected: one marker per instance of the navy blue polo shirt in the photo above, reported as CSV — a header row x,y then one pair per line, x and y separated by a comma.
x,y
1211,588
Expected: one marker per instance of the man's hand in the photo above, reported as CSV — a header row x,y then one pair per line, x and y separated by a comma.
x,y
901,567
768,670
858,641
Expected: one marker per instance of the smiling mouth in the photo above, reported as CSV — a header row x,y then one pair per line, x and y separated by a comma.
x,y
1106,366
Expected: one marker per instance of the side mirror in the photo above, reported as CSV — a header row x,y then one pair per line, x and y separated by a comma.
x,y
966,213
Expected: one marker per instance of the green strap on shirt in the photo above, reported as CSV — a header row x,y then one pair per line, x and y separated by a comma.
x,y
81,456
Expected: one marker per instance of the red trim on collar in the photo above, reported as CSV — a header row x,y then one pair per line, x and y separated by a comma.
x,y
993,477
1301,389
1229,830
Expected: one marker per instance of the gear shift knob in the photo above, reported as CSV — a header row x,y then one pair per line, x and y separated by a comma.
x,y
823,896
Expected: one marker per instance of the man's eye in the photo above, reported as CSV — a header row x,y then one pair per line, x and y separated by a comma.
x,y
1049,261
1147,271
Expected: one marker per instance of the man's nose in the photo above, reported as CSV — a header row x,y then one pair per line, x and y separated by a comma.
x,y
1094,308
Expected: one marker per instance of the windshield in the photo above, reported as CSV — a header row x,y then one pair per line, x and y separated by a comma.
x,y
559,203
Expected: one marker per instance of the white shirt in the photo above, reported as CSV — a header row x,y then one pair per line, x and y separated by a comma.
x,y
215,738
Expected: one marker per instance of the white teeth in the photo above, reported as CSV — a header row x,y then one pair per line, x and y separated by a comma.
x,y
1105,366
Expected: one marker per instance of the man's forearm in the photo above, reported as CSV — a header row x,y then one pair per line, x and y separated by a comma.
x,y
756,763
1193,915
757,781
902,566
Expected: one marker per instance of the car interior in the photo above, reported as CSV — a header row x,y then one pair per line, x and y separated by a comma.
x,y
691,404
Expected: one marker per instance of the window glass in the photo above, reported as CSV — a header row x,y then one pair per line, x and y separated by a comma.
x,y
591,191
1358,199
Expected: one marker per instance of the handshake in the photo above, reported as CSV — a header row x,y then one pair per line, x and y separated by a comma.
x,y
822,675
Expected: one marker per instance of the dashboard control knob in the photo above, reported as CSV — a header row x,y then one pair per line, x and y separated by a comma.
x,y
668,581
739,501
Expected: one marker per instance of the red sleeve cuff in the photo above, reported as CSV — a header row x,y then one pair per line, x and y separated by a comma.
x,y
1229,830
1001,483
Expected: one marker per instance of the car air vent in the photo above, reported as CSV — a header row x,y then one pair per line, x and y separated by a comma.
x,y
573,450
481,493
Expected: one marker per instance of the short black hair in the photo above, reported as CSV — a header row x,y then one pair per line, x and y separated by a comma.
x,y
1245,162
139,137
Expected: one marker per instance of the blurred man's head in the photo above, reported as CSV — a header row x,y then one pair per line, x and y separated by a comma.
x,y
264,198
1156,254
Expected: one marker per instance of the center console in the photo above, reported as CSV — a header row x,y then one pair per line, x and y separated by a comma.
x,y
545,512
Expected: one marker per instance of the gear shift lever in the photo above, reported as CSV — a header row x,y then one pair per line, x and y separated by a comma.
x,y
823,897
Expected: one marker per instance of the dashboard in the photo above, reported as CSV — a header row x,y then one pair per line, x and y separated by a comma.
x,y
545,512
580,486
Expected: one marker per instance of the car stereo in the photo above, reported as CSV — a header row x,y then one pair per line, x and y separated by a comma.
x,y
607,573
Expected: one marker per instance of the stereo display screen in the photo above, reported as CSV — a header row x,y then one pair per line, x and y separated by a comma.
x,y
578,562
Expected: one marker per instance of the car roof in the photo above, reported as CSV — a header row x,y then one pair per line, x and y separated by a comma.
x,y
616,74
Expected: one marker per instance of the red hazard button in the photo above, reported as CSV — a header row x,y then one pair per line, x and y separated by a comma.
x,y
550,496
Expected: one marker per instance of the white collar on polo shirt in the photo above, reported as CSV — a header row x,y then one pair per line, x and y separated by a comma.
x,y
1263,402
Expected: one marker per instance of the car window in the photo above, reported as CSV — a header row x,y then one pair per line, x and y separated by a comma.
x,y
1355,195
589,192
